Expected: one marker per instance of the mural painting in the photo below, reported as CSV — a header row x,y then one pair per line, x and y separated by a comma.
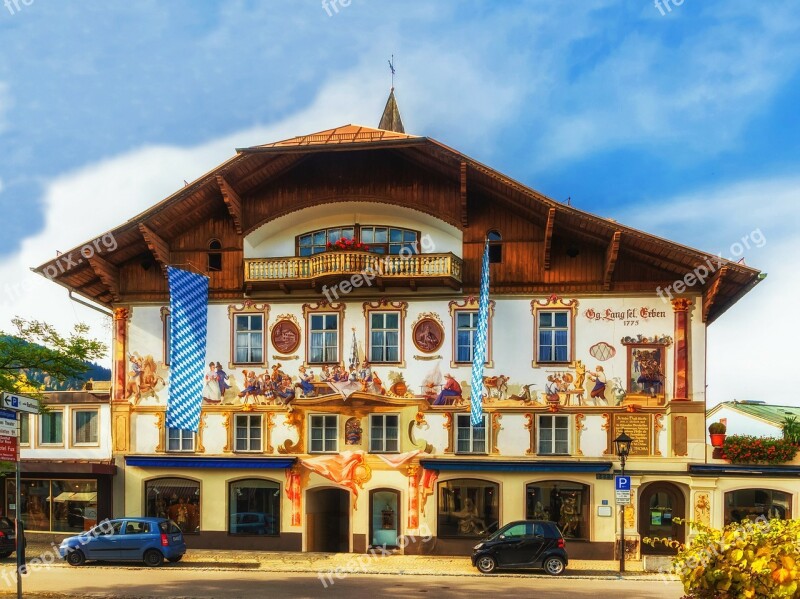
x,y
146,377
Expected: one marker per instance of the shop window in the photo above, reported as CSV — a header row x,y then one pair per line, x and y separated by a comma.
x,y
553,435
384,433
51,430
174,498
214,255
468,508
470,439
255,507
248,432
180,440
54,505
324,433
85,424
564,503
752,504
384,518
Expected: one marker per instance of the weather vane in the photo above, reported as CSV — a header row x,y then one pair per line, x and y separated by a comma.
x,y
391,68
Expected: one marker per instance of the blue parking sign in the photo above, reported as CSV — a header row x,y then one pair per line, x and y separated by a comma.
x,y
622,483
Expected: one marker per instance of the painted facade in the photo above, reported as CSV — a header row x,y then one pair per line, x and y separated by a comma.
x,y
335,397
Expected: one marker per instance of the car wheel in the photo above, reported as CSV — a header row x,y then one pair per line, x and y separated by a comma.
x,y
76,558
153,558
174,560
486,564
6,553
553,566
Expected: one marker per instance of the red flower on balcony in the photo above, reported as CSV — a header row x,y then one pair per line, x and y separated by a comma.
x,y
747,449
347,245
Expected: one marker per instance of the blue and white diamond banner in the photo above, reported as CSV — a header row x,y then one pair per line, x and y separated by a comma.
x,y
480,343
188,305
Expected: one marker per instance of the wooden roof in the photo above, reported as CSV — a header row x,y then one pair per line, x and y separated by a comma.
x,y
220,192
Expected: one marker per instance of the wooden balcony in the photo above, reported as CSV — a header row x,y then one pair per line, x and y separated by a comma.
x,y
328,268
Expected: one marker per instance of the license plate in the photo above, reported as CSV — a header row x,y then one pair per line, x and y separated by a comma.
x,y
11,537
176,538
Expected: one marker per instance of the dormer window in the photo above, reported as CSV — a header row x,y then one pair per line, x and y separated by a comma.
x,y
214,255
378,238
495,246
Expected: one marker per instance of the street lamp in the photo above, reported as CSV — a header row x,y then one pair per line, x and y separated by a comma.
x,y
623,447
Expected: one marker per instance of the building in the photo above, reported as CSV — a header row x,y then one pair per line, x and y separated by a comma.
x,y
324,424
752,417
67,468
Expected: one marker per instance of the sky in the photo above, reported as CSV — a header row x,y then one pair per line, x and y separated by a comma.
x,y
678,118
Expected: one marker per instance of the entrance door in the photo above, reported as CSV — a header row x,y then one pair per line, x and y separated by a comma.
x,y
659,504
328,520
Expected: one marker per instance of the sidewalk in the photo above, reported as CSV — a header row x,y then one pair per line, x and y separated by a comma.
x,y
333,564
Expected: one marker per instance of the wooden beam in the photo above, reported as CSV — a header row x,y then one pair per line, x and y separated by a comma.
x,y
232,201
611,259
158,246
463,173
108,275
548,236
711,294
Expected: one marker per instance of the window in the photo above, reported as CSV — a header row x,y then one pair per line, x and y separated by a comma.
x,y
136,528
554,435
315,242
214,255
390,240
470,439
255,507
324,433
384,343
384,432
55,505
249,330
468,508
466,327
324,339
495,247
562,502
180,440
248,432
52,428
24,429
553,336
85,431
750,504
175,498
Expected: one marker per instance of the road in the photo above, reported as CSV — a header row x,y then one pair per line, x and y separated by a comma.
x,y
177,582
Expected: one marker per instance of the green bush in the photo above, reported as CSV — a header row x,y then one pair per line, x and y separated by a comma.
x,y
717,428
750,559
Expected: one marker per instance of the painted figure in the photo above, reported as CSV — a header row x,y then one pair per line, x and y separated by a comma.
x,y
580,374
222,380
306,382
451,389
211,392
599,389
551,389
651,377
251,386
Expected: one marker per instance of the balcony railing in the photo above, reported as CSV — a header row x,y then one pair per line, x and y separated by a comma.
x,y
417,266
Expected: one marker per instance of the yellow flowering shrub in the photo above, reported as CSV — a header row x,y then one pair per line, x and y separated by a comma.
x,y
751,559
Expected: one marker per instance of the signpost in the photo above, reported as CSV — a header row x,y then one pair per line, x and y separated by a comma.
x,y
622,489
13,404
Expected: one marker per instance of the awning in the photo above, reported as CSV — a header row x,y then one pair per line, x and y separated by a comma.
x,y
88,497
488,465
743,470
196,462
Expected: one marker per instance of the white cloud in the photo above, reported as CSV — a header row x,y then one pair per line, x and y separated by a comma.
x,y
751,347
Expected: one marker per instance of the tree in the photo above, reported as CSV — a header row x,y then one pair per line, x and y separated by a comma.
x,y
38,347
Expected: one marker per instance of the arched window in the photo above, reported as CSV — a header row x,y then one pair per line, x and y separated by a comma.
x,y
174,498
255,507
495,246
468,508
750,504
214,255
565,503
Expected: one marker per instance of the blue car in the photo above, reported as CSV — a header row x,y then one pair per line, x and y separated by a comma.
x,y
148,540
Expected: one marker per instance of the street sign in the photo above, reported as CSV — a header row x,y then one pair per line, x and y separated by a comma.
x,y
622,483
10,414
8,448
623,497
8,431
8,423
20,403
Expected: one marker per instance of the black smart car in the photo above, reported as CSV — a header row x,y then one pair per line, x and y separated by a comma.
x,y
522,544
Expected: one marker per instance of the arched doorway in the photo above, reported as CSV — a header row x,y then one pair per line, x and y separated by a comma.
x,y
659,504
328,520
